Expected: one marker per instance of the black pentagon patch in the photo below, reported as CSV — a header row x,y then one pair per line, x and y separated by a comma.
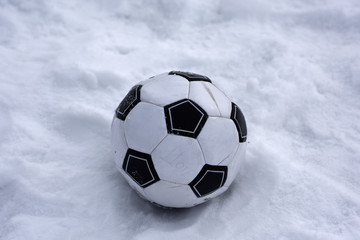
x,y
129,102
185,118
238,117
140,168
209,179
191,76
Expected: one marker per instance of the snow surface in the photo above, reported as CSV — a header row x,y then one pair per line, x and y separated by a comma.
x,y
292,66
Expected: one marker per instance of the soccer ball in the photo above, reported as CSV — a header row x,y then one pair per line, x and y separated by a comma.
x,y
178,139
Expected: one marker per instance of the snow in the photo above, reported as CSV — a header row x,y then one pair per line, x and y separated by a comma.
x,y
293,67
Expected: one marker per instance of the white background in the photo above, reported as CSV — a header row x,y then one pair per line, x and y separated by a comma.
x,y
292,66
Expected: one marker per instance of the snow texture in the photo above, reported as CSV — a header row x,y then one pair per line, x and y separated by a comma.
x,y
292,66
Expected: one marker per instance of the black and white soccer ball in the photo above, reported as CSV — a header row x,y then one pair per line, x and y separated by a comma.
x,y
178,139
